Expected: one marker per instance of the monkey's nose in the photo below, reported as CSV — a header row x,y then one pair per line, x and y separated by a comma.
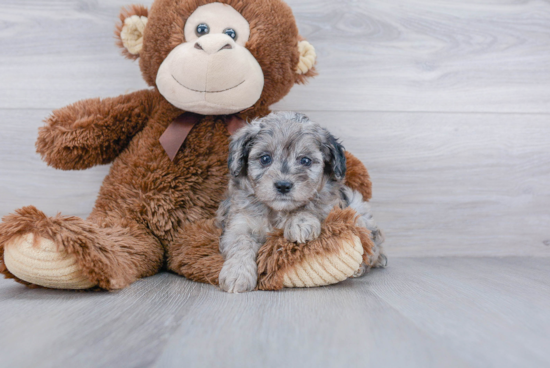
x,y
212,44
283,187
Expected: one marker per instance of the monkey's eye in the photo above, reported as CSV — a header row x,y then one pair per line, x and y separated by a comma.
x,y
202,29
231,33
266,160
306,161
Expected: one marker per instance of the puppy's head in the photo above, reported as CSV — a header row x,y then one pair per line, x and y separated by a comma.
x,y
286,159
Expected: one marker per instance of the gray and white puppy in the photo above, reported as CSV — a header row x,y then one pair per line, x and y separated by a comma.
x,y
287,172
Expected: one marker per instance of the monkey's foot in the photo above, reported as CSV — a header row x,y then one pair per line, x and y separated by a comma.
x,y
319,270
337,254
39,261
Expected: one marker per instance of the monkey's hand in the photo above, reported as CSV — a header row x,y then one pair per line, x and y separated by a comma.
x,y
93,132
302,227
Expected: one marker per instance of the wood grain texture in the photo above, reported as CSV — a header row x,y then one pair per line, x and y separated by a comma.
x,y
395,55
447,104
444,184
427,55
451,312
454,184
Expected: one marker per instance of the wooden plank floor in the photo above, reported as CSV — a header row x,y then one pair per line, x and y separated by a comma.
x,y
448,105
419,312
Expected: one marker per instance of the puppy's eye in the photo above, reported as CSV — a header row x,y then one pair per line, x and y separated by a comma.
x,y
202,29
306,161
266,160
231,33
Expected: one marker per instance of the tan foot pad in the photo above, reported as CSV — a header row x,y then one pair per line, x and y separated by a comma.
x,y
44,264
326,270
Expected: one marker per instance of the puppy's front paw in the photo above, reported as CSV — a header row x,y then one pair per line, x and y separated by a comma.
x,y
238,278
302,228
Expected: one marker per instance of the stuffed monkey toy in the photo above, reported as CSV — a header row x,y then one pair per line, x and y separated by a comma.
x,y
212,66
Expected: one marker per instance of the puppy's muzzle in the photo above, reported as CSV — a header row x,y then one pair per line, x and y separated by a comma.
x,y
283,187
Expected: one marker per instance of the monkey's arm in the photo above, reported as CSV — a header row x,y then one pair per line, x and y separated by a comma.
x,y
357,176
95,131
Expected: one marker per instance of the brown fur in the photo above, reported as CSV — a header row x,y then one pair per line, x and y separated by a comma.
x,y
95,131
279,255
147,204
357,177
198,257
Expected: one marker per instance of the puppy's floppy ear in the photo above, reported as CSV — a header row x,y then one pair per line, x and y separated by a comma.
x,y
308,58
239,149
335,159
129,32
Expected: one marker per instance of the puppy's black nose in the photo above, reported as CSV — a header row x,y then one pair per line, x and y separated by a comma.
x,y
283,187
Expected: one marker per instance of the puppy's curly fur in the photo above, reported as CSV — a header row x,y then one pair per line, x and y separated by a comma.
x,y
287,172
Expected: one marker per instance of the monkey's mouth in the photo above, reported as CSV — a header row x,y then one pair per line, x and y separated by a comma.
x,y
196,90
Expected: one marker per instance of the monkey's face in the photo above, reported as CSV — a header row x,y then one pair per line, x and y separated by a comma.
x,y
212,72
218,57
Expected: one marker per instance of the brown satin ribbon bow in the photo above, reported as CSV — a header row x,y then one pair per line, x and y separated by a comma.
x,y
175,135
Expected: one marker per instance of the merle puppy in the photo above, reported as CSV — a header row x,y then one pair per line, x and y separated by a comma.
x,y
286,173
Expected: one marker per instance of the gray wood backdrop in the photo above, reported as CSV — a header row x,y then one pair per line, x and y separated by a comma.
x,y
448,105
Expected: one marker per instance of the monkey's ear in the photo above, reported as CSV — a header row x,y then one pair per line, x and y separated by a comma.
x,y
335,158
129,31
239,149
306,64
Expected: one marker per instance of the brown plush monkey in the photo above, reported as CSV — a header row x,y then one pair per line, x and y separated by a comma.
x,y
211,66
